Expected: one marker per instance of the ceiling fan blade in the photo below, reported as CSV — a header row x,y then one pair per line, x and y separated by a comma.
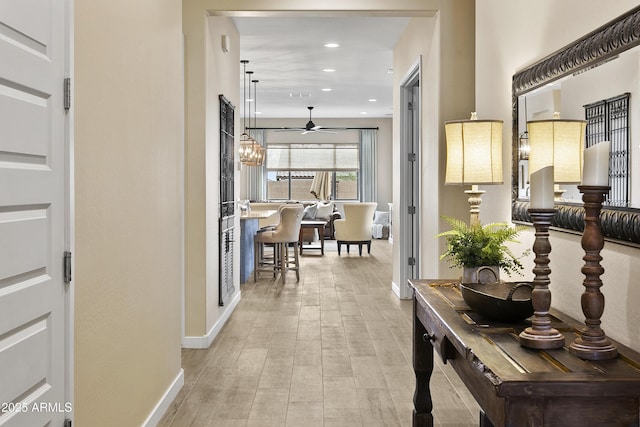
x,y
289,130
324,131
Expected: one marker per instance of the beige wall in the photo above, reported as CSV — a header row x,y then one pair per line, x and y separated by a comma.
x,y
445,44
209,72
222,74
128,132
503,46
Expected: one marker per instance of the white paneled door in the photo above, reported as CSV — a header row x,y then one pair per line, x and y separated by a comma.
x,y
34,308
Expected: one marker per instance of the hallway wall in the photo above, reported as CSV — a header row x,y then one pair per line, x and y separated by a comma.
x,y
127,101
445,45
510,36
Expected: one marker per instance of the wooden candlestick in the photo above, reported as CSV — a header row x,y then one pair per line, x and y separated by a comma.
x,y
593,345
540,335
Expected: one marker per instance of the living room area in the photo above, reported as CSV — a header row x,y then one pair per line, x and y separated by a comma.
x,y
323,172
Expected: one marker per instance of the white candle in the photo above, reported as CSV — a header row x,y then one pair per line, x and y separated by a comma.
x,y
542,188
596,164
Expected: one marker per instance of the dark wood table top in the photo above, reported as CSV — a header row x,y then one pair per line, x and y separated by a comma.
x,y
519,371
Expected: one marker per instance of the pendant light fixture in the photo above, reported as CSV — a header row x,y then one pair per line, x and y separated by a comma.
x,y
247,143
257,151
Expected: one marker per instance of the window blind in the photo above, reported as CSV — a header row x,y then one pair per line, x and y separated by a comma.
x,y
312,157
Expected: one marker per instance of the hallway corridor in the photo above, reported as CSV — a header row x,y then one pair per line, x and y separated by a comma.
x,y
331,350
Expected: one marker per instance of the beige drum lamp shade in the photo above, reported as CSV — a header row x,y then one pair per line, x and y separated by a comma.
x,y
474,156
474,152
557,143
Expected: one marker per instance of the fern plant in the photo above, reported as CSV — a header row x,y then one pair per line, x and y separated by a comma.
x,y
481,245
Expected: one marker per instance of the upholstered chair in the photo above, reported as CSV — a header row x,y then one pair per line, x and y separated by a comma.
x,y
282,237
355,227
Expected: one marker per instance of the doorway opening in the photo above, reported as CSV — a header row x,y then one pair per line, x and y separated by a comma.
x,y
409,181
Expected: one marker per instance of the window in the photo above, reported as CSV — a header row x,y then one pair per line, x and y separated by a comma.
x,y
294,170
608,120
296,185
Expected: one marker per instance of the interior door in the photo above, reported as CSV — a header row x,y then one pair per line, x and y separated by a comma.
x,y
33,213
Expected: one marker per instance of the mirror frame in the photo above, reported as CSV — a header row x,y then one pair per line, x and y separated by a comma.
x,y
619,224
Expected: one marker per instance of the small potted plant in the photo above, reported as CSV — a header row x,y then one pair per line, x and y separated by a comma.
x,y
480,247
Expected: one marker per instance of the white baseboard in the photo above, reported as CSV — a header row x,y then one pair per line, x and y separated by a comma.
x,y
206,340
396,289
156,415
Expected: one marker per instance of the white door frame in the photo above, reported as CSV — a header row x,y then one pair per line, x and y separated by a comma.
x,y
409,131
69,235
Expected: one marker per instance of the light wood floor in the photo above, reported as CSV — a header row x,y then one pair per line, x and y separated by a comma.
x,y
331,350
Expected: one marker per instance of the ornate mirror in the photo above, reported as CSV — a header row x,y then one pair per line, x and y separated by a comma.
x,y
584,79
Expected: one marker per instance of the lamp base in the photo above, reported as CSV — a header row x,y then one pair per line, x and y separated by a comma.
x,y
558,193
475,199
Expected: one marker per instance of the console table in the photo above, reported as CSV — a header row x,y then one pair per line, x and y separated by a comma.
x,y
513,385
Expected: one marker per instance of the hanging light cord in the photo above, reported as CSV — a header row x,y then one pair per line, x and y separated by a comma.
x,y
244,62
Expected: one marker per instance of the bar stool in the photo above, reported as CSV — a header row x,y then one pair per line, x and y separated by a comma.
x,y
265,259
284,235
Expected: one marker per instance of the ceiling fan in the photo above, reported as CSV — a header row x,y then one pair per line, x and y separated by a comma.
x,y
309,127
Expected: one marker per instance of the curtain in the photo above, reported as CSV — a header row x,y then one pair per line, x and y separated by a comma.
x,y
368,165
312,157
321,185
255,174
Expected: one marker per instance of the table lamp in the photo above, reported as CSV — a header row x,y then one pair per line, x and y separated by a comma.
x,y
558,143
474,156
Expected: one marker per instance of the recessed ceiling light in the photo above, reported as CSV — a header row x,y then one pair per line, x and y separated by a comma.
x,y
372,100
258,112
363,112
332,45
329,70
326,89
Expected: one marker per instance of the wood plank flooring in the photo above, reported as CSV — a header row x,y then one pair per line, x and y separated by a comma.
x,y
332,350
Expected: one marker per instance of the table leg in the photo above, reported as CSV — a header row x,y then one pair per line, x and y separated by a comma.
x,y
300,240
422,367
322,239
484,420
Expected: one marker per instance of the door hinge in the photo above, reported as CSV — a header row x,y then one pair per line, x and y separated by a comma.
x,y
412,261
67,267
67,93
412,210
410,106
67,422
412,157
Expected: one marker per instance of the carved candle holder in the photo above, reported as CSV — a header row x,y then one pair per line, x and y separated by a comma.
x,y
592,344
540,335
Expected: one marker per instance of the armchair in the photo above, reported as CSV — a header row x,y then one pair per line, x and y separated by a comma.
x,y
355,228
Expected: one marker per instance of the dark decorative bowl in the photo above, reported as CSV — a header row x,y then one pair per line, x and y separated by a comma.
x,y
502,301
